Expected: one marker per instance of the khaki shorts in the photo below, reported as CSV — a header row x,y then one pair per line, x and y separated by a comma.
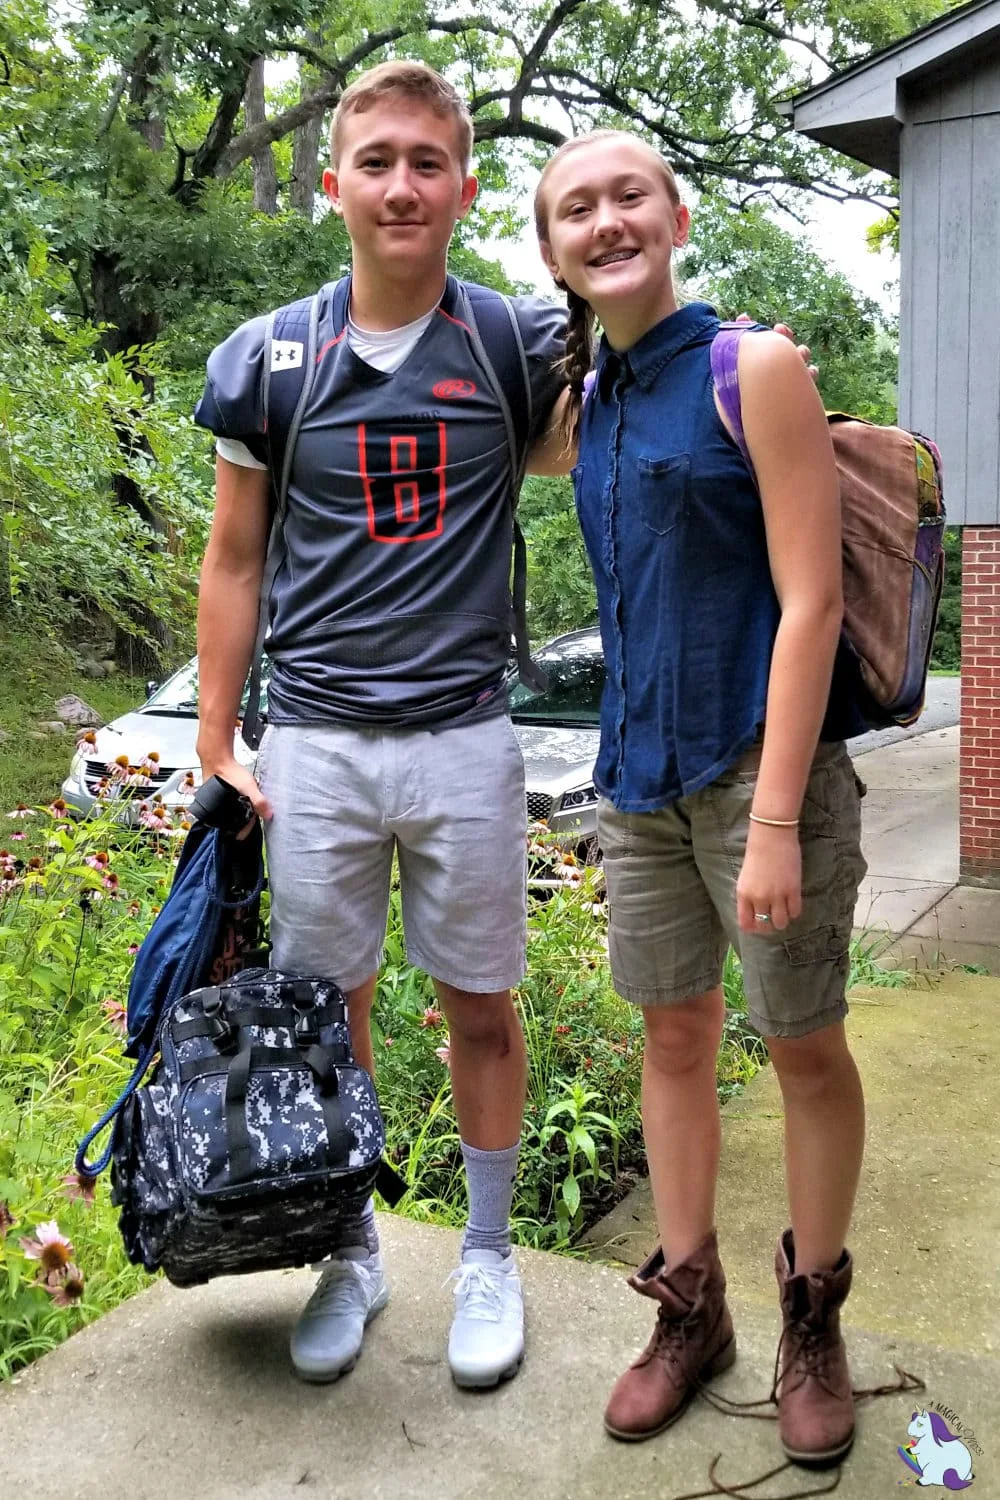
x,y
449,803
671,878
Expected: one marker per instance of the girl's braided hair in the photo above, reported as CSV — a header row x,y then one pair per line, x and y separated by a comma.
x,y
576,363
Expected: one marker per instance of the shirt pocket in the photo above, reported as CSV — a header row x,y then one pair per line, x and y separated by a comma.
x,y
664,491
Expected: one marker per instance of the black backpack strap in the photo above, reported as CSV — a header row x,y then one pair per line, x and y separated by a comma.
x,y
497,333
290,346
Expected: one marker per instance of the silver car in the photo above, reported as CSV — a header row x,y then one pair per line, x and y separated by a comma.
x,y
150,752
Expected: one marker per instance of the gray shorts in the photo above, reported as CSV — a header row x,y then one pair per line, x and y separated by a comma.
x,y
449,802
671,877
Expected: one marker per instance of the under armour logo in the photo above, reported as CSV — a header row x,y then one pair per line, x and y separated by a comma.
x,y
286,354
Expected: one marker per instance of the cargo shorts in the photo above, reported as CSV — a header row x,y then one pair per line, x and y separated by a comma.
x,y
671,877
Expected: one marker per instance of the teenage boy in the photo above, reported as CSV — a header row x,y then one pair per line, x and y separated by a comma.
x,y
390,636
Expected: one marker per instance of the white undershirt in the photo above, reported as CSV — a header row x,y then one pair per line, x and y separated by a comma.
x,y
384,350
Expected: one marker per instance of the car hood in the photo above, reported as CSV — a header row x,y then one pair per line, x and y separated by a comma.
x,y
172,736
558,756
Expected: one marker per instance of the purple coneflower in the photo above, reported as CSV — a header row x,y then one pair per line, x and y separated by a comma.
x,y
65,1288
116,1013
78,1187
49,1247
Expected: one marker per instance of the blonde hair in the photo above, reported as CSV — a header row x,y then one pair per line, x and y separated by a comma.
x,y
579,357
413,81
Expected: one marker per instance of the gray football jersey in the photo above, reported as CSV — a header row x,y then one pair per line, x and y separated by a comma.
x,y
392,602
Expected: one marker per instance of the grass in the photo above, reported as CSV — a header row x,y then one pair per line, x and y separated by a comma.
x,y
34,673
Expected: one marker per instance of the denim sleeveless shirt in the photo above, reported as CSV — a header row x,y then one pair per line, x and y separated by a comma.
x,y
674,529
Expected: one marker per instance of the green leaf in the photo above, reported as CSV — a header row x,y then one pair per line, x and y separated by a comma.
x,y
571,1195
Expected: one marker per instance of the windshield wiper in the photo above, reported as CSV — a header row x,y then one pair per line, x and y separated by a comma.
x,y
186,706
556,721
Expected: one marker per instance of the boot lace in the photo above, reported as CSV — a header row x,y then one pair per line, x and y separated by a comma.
x,y
747,1489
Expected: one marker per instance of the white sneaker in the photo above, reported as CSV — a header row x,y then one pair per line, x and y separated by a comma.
x,y
486,1344
327,1339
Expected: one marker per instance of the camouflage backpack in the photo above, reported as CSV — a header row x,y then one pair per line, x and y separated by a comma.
x,y
256,1131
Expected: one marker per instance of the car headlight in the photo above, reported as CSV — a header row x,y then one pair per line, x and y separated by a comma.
x,y
580,796
76,764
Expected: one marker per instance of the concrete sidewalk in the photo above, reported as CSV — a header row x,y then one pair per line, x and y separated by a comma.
x,y
910,903
189,1394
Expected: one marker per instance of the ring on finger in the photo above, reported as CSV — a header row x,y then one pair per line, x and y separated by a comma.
x,y
762,916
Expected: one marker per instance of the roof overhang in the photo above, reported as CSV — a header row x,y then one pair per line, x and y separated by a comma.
x,y
860,111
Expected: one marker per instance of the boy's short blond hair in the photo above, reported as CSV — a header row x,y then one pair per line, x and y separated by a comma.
x,y
414,81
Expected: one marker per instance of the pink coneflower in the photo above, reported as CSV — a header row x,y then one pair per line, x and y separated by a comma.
x,y
78,1188
66,1288
110,883
7,1220
21,811
19,834
88,737
58,808
155,817
121,769
116,1013
132,949
431,1017
98,861
52,1249
443,1054
389,1041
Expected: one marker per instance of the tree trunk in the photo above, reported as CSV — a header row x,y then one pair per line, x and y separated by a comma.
x,y
265,178
305,146
6,592
138,651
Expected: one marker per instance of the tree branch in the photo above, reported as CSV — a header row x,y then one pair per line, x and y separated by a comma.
x,y
333,85
757,21
213,148
535,53
113,103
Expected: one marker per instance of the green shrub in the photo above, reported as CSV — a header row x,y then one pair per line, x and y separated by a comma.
x,y
76,900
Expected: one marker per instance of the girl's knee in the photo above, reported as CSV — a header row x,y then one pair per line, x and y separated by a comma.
x,y
685,1037
814,1060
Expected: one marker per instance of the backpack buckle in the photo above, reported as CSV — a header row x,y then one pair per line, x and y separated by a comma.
x,y
306,1030
221,1030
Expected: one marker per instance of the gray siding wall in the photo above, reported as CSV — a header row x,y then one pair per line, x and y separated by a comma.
x,y
949,370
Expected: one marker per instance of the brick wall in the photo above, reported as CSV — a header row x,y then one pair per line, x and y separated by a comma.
x,y
979,775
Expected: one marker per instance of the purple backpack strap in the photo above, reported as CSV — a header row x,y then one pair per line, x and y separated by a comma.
x,y
725,352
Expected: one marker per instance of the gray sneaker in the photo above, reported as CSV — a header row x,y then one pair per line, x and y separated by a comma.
x,y
486,1344
326,1341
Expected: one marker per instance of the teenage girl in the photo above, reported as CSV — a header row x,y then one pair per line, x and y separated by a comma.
x,y
730,809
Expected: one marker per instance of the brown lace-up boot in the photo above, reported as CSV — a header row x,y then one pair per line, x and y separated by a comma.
x,y
813,1384
693,1340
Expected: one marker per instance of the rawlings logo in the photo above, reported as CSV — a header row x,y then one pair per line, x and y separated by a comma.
x,y
447,390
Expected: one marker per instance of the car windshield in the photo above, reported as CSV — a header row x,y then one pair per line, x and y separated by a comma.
x,y
179,694
575,670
